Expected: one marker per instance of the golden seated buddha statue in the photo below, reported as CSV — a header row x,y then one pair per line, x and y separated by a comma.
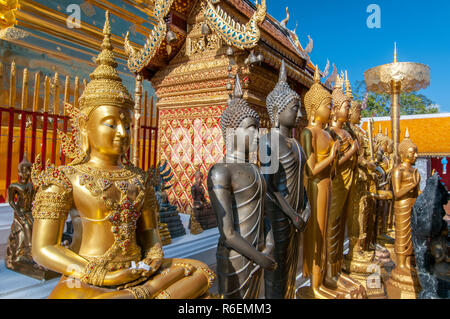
x,y
118,251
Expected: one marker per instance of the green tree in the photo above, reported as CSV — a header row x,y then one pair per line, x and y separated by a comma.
x,y
380,104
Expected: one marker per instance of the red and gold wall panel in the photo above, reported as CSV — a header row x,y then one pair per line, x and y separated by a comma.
x,y
189,139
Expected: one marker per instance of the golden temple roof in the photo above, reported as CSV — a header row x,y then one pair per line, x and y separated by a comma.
x,y
430,132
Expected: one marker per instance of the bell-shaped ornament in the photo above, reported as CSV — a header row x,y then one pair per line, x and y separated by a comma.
x,y
205,29
252,58
171,37
230,51
260,58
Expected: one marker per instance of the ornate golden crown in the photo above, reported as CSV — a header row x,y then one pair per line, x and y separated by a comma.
x,y
338,95
105,87
315,95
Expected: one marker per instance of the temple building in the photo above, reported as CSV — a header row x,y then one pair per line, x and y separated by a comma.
x,y
191,76
430,133
193,82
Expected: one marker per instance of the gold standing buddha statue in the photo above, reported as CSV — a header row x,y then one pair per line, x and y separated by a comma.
x,y
342,182
403,281
321,152
120,253
360,260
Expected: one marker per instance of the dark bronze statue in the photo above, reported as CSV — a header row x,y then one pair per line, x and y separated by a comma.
x,y
18,253
168,213
237,190
430,240
202,209
285,197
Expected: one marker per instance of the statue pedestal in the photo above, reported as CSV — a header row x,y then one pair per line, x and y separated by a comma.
x,y
33,271
364,268
403,284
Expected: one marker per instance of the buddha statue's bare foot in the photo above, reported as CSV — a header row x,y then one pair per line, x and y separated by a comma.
x,y
347,286
323,292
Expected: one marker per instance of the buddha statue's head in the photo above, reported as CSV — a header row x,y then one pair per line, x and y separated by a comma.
x,y
381,141
390,146
408,150
283,103
318,101
355,106
341,102
198,176
239,123
24,170
105,107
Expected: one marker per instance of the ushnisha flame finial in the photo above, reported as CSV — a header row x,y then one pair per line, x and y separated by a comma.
x,y
237,93
407,133
348,88
317,74
25,161
283,74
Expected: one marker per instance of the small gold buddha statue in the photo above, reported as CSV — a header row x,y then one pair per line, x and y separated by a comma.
x,y
340,204
403,281
360,261
321,153
120,252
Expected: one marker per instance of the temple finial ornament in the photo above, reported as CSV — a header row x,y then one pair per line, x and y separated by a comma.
x,y
395,52
285,20
231,31
137,60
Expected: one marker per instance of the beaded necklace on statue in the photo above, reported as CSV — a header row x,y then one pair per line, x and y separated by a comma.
x,y
124,213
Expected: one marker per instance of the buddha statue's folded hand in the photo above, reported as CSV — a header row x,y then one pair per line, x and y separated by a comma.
x,y
299,223
153,259
123,276
153,264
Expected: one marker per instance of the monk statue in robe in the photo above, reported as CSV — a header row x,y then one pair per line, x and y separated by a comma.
x,y
321,153
342,182
403,281
285,198
120,252
236,190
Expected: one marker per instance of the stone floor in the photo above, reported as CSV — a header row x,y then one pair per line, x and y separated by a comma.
x,y
17,286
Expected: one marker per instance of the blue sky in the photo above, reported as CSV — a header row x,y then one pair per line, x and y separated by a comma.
x,y
340,33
